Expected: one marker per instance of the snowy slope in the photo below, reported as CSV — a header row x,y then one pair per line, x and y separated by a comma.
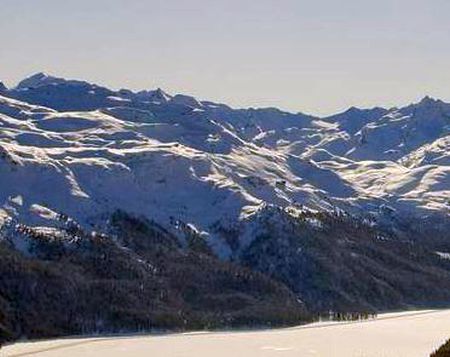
x,y
86,151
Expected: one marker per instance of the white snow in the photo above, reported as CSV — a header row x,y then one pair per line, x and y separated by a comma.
x,y
443,255
162,157
410,334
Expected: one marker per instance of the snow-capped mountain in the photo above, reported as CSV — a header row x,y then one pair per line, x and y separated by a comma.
x,y
185,213
74,147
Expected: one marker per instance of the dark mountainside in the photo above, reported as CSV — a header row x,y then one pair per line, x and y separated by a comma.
x,y
90,284
443,351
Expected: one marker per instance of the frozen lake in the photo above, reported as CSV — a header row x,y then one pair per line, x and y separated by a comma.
x,y
407,334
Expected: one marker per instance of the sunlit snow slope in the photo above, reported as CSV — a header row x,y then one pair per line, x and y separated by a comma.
x,y
86,151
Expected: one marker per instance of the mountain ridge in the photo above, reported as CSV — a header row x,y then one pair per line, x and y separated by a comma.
x,y
280,194
290,143
47,78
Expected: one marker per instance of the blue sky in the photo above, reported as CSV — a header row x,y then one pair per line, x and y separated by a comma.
x,y
312,56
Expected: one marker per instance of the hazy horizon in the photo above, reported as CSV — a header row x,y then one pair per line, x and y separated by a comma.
x,y
316,58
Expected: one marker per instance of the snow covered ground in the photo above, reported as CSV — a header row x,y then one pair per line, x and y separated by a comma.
x,y
76,148
407,334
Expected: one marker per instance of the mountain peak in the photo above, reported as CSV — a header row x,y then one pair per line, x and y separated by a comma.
x,y
37,80
427,100
156,96
162,94
186,100
354,109
3,88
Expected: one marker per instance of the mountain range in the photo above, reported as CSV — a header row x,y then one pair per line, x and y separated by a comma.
x,y
129,210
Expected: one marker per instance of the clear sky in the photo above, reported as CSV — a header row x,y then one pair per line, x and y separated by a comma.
x,y
316,56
